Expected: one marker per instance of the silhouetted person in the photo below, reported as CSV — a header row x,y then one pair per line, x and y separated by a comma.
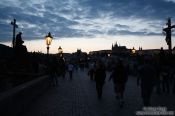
x,y
82,66
70,70
119,76
173,79
62,67
158,78
146,76
52,70
35,63
91,72
99,76
165,79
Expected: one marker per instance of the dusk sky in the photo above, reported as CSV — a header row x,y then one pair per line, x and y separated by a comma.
x,y
87,24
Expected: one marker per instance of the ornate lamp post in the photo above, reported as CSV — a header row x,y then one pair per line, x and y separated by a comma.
x,y
48,41
133,50
60,51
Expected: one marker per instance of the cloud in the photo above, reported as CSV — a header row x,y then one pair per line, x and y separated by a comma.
x,y
170,1
84,18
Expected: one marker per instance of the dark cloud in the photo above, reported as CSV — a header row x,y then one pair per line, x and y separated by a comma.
x,y
81,18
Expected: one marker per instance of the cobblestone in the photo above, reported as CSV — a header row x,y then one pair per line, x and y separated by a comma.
x,y
78,98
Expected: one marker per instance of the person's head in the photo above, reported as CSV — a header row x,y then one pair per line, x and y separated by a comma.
x,y
20,33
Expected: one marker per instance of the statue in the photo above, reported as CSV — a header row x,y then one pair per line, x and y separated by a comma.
x,y
19,48
19,40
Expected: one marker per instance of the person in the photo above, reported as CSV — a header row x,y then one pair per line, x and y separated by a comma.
x,y
173,91
91,72
165,74
70,70
173,80
119,76
62,67
146,79
52,70
99,77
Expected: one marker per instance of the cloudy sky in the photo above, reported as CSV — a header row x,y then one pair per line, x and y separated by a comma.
x,y
87,24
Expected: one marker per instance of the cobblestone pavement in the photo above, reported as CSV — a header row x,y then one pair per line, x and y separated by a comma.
x,y
78,98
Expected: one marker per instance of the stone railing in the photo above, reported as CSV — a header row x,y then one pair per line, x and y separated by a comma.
x,y
15,101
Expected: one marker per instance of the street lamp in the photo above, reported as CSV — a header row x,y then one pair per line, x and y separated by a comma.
x,y
48,41
133,50
60,51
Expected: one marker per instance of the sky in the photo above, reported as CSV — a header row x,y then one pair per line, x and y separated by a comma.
x,y
88,25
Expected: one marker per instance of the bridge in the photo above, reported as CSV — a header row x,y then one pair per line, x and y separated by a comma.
x,y
75,98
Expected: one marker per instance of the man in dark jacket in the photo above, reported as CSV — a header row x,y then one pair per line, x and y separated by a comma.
x,y
99,76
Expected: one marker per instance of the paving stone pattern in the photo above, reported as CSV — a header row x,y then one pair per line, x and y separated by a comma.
x,y
78,98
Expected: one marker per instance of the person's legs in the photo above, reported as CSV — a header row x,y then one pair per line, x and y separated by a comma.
x,y
163,84
56,79
70,75
121,92
167,85
91,76
147,96
99,90
174,87
144,95
158,87
116,91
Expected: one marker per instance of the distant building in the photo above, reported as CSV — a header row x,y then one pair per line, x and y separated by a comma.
x,y
118,50
150,51
79,56
100,52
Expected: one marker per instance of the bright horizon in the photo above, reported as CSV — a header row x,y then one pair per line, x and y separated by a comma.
x,y
70,45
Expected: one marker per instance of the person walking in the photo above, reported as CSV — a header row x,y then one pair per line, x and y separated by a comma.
x,y
91,72
119,76
99,77
52,70
62,68
146,79
70,70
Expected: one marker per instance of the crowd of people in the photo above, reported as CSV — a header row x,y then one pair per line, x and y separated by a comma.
x,y
150,75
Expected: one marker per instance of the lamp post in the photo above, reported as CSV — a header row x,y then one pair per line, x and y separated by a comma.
x,y
48,41
60,51
133,50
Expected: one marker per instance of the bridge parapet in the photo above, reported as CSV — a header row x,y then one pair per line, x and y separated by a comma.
x,y
15,101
